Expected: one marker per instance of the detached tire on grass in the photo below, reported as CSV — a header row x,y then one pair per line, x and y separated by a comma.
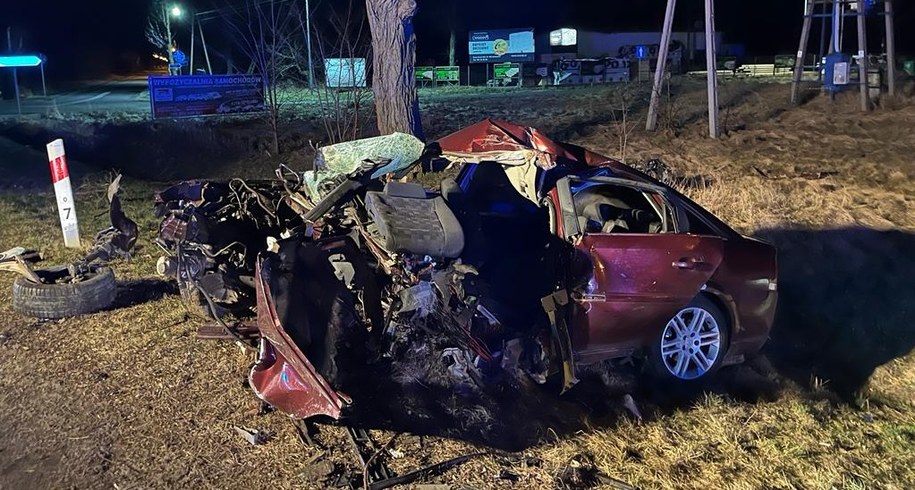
x,y
53,301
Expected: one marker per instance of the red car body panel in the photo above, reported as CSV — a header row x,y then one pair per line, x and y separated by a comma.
x,y
746,286
638,281
283,376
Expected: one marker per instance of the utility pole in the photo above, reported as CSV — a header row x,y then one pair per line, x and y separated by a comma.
x,y
802,51
652,122
862,62
890,47
206,53
712,67
191,68
837,16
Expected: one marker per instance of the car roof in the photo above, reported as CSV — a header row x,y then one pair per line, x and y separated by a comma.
x,y
534,161
514,145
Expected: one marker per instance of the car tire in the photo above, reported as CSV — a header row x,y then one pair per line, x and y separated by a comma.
x,y
683,352
52,301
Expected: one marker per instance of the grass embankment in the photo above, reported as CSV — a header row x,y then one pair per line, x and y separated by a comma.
x,y
129,398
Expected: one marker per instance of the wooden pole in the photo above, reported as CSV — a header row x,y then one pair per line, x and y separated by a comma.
x,y
862,62
801,52
822,52
890,47
712,66
652,122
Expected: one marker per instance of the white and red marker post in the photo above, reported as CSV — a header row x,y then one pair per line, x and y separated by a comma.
x,y
66,207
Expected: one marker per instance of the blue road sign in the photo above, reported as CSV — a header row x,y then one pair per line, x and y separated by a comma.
x,y
22,60
179,57
641,52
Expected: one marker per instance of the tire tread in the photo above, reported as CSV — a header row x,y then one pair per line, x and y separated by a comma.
x,y
53,301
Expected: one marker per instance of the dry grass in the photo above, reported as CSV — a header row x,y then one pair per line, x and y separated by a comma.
x,y
130,399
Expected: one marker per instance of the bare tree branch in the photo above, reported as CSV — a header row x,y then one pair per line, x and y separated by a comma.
x,y
156,32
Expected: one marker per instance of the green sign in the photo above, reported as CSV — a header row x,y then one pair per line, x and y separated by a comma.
x,y
447,74
438,74
425,73
506,70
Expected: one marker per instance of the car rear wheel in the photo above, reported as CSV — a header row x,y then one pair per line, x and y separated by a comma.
x,y
693,343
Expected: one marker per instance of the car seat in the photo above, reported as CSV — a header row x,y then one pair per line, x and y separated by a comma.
x,y
408,220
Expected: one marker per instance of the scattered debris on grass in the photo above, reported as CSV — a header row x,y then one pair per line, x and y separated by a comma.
x,y
253,436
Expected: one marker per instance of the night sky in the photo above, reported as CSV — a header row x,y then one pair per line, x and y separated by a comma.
x,y
91,38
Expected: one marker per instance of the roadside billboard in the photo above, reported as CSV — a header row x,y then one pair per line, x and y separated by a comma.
x,y
501,46
438,74
506,71
205,95
344,72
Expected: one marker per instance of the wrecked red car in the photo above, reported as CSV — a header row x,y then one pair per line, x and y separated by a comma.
x,y
536,259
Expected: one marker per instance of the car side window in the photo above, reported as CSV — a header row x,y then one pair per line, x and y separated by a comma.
x,y
609,208
698,226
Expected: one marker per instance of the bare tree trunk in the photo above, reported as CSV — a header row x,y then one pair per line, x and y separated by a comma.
x,y
394,59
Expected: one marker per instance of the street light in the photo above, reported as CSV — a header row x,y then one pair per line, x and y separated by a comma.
x,y
174,12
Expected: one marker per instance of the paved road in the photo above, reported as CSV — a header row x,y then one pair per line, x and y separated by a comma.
x,y
129,95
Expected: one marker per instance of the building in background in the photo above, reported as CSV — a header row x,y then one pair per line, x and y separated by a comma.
x,y
575,43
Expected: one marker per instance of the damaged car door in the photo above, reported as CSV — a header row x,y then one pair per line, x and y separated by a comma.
x,y
644,270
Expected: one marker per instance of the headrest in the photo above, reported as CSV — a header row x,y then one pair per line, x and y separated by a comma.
x,y
601,212
405,189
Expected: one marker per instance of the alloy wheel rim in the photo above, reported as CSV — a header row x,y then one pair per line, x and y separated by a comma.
x,y
691,343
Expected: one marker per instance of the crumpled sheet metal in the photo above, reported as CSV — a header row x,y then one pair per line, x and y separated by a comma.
x,y
525,153
419,298
191,190
489,135
344,158
520,166
282,376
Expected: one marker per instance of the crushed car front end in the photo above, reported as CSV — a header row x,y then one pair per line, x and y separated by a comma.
x,y
538,259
